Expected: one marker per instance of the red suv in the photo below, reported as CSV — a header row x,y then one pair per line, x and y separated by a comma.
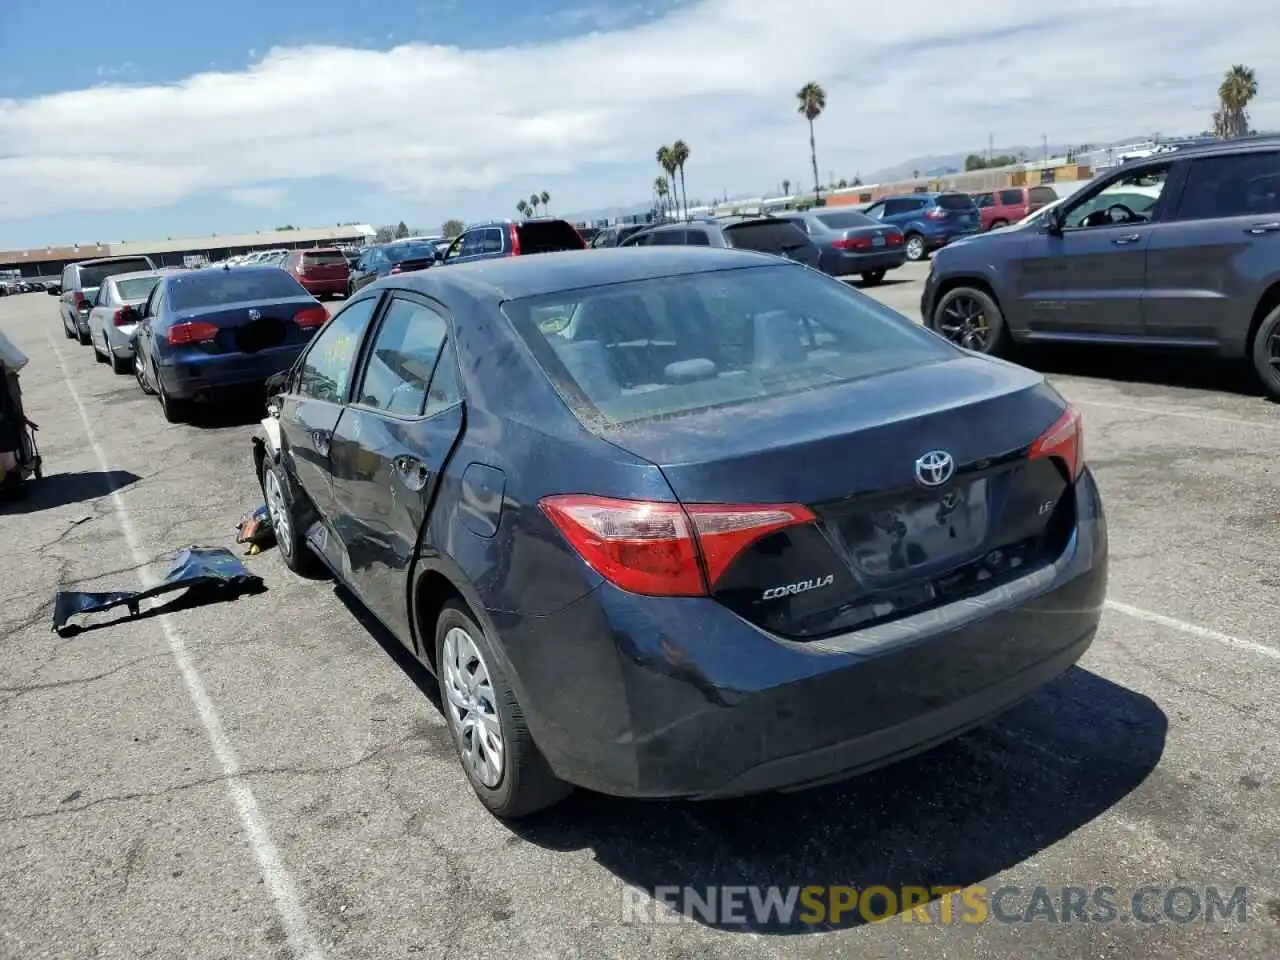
x,y
322,271
999,208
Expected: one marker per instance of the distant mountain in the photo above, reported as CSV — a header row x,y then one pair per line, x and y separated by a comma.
x,y
939,164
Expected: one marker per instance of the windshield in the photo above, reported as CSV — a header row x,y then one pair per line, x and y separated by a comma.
x,y
216,288
136,288
846,221
653,348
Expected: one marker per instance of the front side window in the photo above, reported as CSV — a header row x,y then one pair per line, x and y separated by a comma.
x,y
655,348
1129,200
1239,185
402,358
325,372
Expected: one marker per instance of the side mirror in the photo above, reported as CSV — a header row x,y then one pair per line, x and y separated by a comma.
x,y
440,254
1053,222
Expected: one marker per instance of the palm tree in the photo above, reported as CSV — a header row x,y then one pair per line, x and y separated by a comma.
x,y
545,198
667,160
680,156
1239,86
786,188
662,190
523,208
534,200
813,100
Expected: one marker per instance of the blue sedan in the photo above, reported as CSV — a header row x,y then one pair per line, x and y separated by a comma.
x,y
679,522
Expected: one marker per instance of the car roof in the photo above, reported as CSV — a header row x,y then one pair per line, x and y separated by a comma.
x,y
90,263
239,270
514,278
138,274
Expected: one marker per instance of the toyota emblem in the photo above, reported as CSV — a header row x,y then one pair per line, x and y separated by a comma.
x,y
255,314
935,468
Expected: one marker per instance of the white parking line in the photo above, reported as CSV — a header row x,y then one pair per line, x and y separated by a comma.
x,y
275,875
1184,414
1204,633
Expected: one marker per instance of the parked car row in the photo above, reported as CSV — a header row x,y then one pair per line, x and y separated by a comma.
x,y
15,286
1172,251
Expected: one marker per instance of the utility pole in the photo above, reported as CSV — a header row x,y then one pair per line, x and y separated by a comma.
x,y
991,147
1045,138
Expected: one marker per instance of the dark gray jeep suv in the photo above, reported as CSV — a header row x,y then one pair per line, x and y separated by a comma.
x,y
1177,250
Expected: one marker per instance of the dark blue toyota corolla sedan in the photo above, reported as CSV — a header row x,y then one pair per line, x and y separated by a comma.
x,y
675,522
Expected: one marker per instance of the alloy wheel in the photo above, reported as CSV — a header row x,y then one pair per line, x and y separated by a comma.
x,y
471,706
278,511
915,248
964,322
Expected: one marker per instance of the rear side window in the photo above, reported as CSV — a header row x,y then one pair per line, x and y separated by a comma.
x,y
1240,185
667,238
1011,198
768,236
136,288
403,356
903,205
216,288
697,238
548,236
845,221
92,274
954,201
1043,195
673,345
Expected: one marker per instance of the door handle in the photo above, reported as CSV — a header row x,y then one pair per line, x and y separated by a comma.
x,y
1260,228
1131,238
320,439
413,473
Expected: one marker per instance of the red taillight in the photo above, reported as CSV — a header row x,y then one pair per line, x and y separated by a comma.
x,y
395,269
311,317
123,316
936,214
78,299
894,239
661,549
515,241
196,331
853,243
1063,441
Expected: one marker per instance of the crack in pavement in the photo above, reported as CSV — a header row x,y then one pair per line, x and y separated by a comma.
x,y
24,689
288,770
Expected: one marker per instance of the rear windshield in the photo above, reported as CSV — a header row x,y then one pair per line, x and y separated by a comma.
x,y
136,288
324,257
768,236
654,348
955,201
411,251
92,275
548,236
846,221
215,288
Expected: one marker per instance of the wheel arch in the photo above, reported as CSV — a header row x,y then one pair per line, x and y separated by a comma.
x,y
1268,302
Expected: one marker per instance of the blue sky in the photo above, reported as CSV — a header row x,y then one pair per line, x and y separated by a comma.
x,y
175,121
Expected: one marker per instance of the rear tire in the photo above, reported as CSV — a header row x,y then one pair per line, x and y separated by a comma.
x,y
290,518
970,318
997,224
175,411
83,338
139,373
873,277
1266,354
478,701
67,332
915,248
120,366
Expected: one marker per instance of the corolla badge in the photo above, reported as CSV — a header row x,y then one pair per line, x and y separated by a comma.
x,y
935,468
801,586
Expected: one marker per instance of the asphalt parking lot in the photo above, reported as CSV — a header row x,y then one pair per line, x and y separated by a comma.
x,y
269,778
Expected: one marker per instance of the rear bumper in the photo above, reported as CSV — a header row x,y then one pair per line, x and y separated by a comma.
x,y
680,698
840,263
120,339
940,240
322,287
188,376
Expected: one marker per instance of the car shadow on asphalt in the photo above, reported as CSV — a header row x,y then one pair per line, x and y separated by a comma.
x,y
952,817
60,489
224,414
1193,371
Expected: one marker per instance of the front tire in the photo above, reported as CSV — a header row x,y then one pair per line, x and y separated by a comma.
x,y
970,318
289,519
915,248
1266,354
503,764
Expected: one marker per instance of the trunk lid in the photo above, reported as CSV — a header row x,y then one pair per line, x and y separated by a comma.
x,y
780,237
883,545
253,326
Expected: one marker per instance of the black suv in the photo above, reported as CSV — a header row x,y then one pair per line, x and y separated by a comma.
x,y
511,238
615,236
766,234
1176,250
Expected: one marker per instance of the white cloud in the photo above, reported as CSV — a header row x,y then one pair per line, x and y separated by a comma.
x,y
463,129
256,196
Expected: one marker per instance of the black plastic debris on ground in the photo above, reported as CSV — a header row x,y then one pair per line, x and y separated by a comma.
x,y
208,574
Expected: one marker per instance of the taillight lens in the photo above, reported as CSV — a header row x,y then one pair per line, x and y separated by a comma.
x,y
1064,441
894,239
515,241
196,331
123,316
309,318
936,214
662,549
78,299
395,269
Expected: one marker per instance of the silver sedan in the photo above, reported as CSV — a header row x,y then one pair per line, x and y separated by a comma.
x,y
115,313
